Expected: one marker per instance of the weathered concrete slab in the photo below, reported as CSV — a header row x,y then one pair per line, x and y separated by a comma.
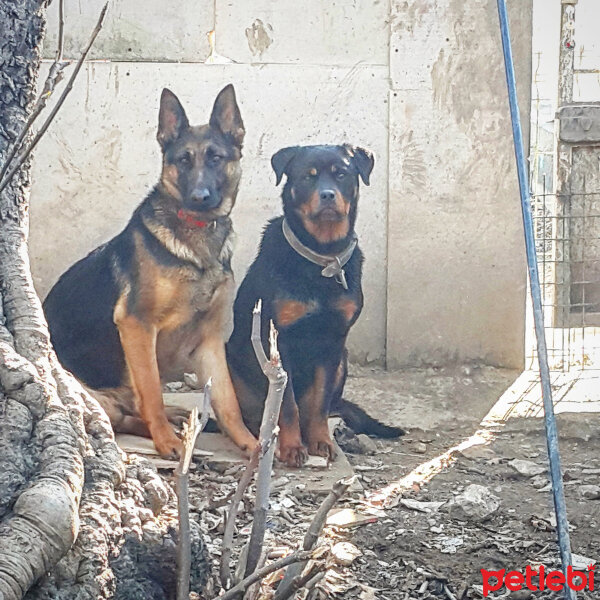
x,y
100,157
147,31
456,267
346,32
186,400
216,449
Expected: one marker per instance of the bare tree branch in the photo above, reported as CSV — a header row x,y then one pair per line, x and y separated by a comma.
x,y
55,75
266,570
267,441
313,575
4,181
253,591
190,432
314,531
256,337
225,569
61,27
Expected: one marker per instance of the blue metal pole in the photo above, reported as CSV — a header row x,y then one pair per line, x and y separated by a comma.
x,y
562,523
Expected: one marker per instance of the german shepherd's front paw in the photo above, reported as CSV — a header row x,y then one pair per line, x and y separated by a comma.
x,y
167,444
293,455
323,447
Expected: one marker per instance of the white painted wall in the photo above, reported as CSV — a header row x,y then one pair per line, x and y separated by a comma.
x,y
304,72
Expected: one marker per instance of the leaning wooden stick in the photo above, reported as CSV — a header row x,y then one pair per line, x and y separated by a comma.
x,y
225,569
312,535
190,432
234,592
253,591
313,575
267,438
4,181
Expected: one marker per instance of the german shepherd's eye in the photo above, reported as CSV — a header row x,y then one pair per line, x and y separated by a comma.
x,y
215,159
185,160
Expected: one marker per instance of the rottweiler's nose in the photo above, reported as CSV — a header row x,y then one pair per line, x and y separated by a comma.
x,y
327,196
200,195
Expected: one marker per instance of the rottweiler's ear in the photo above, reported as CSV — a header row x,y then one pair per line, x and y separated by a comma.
x,y
363,161
226,116
281,159
171,118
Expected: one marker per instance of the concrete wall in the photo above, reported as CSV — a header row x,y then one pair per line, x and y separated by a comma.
x,y
457,279
313,73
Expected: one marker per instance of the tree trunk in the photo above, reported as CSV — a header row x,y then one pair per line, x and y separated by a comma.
x,y
78,519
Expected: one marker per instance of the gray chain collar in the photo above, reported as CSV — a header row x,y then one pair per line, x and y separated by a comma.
x,y
333,265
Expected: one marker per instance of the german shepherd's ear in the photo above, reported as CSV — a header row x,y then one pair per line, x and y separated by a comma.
x,y
281,160
362,159
226,116
171,118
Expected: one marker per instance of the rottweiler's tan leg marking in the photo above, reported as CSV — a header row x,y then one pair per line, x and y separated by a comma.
x,y
292,450
139,345
313,417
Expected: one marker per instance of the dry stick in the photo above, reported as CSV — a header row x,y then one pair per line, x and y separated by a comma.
x,y
4,181
314,574
224,569
256,338
314,531
61,27
55,75
261,573
190,432
267,438
253,591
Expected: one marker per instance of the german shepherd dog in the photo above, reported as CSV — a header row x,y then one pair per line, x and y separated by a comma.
x,y
308,275
151,303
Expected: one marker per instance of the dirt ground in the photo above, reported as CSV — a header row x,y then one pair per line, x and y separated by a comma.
x,y
465,426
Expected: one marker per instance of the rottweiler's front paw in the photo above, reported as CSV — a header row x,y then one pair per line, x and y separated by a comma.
x,y
323,448
293,455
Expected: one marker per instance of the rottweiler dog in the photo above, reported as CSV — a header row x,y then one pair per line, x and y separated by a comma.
x,y
308,275
152,303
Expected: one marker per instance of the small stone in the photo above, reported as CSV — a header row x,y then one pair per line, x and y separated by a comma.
x,y
174,386
590,492
476,503
419,448
477,452
191,380
345,553
521,595
527,468
539,481
366,444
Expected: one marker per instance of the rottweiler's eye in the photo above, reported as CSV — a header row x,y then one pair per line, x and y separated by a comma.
x,y
340,174
311,175
185,160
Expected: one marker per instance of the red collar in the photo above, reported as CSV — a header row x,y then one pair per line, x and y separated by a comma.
x,y
190,219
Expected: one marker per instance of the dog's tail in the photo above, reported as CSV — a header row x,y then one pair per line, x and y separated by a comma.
x,y
361,422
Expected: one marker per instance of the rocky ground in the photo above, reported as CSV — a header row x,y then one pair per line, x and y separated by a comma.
x,y
419,529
